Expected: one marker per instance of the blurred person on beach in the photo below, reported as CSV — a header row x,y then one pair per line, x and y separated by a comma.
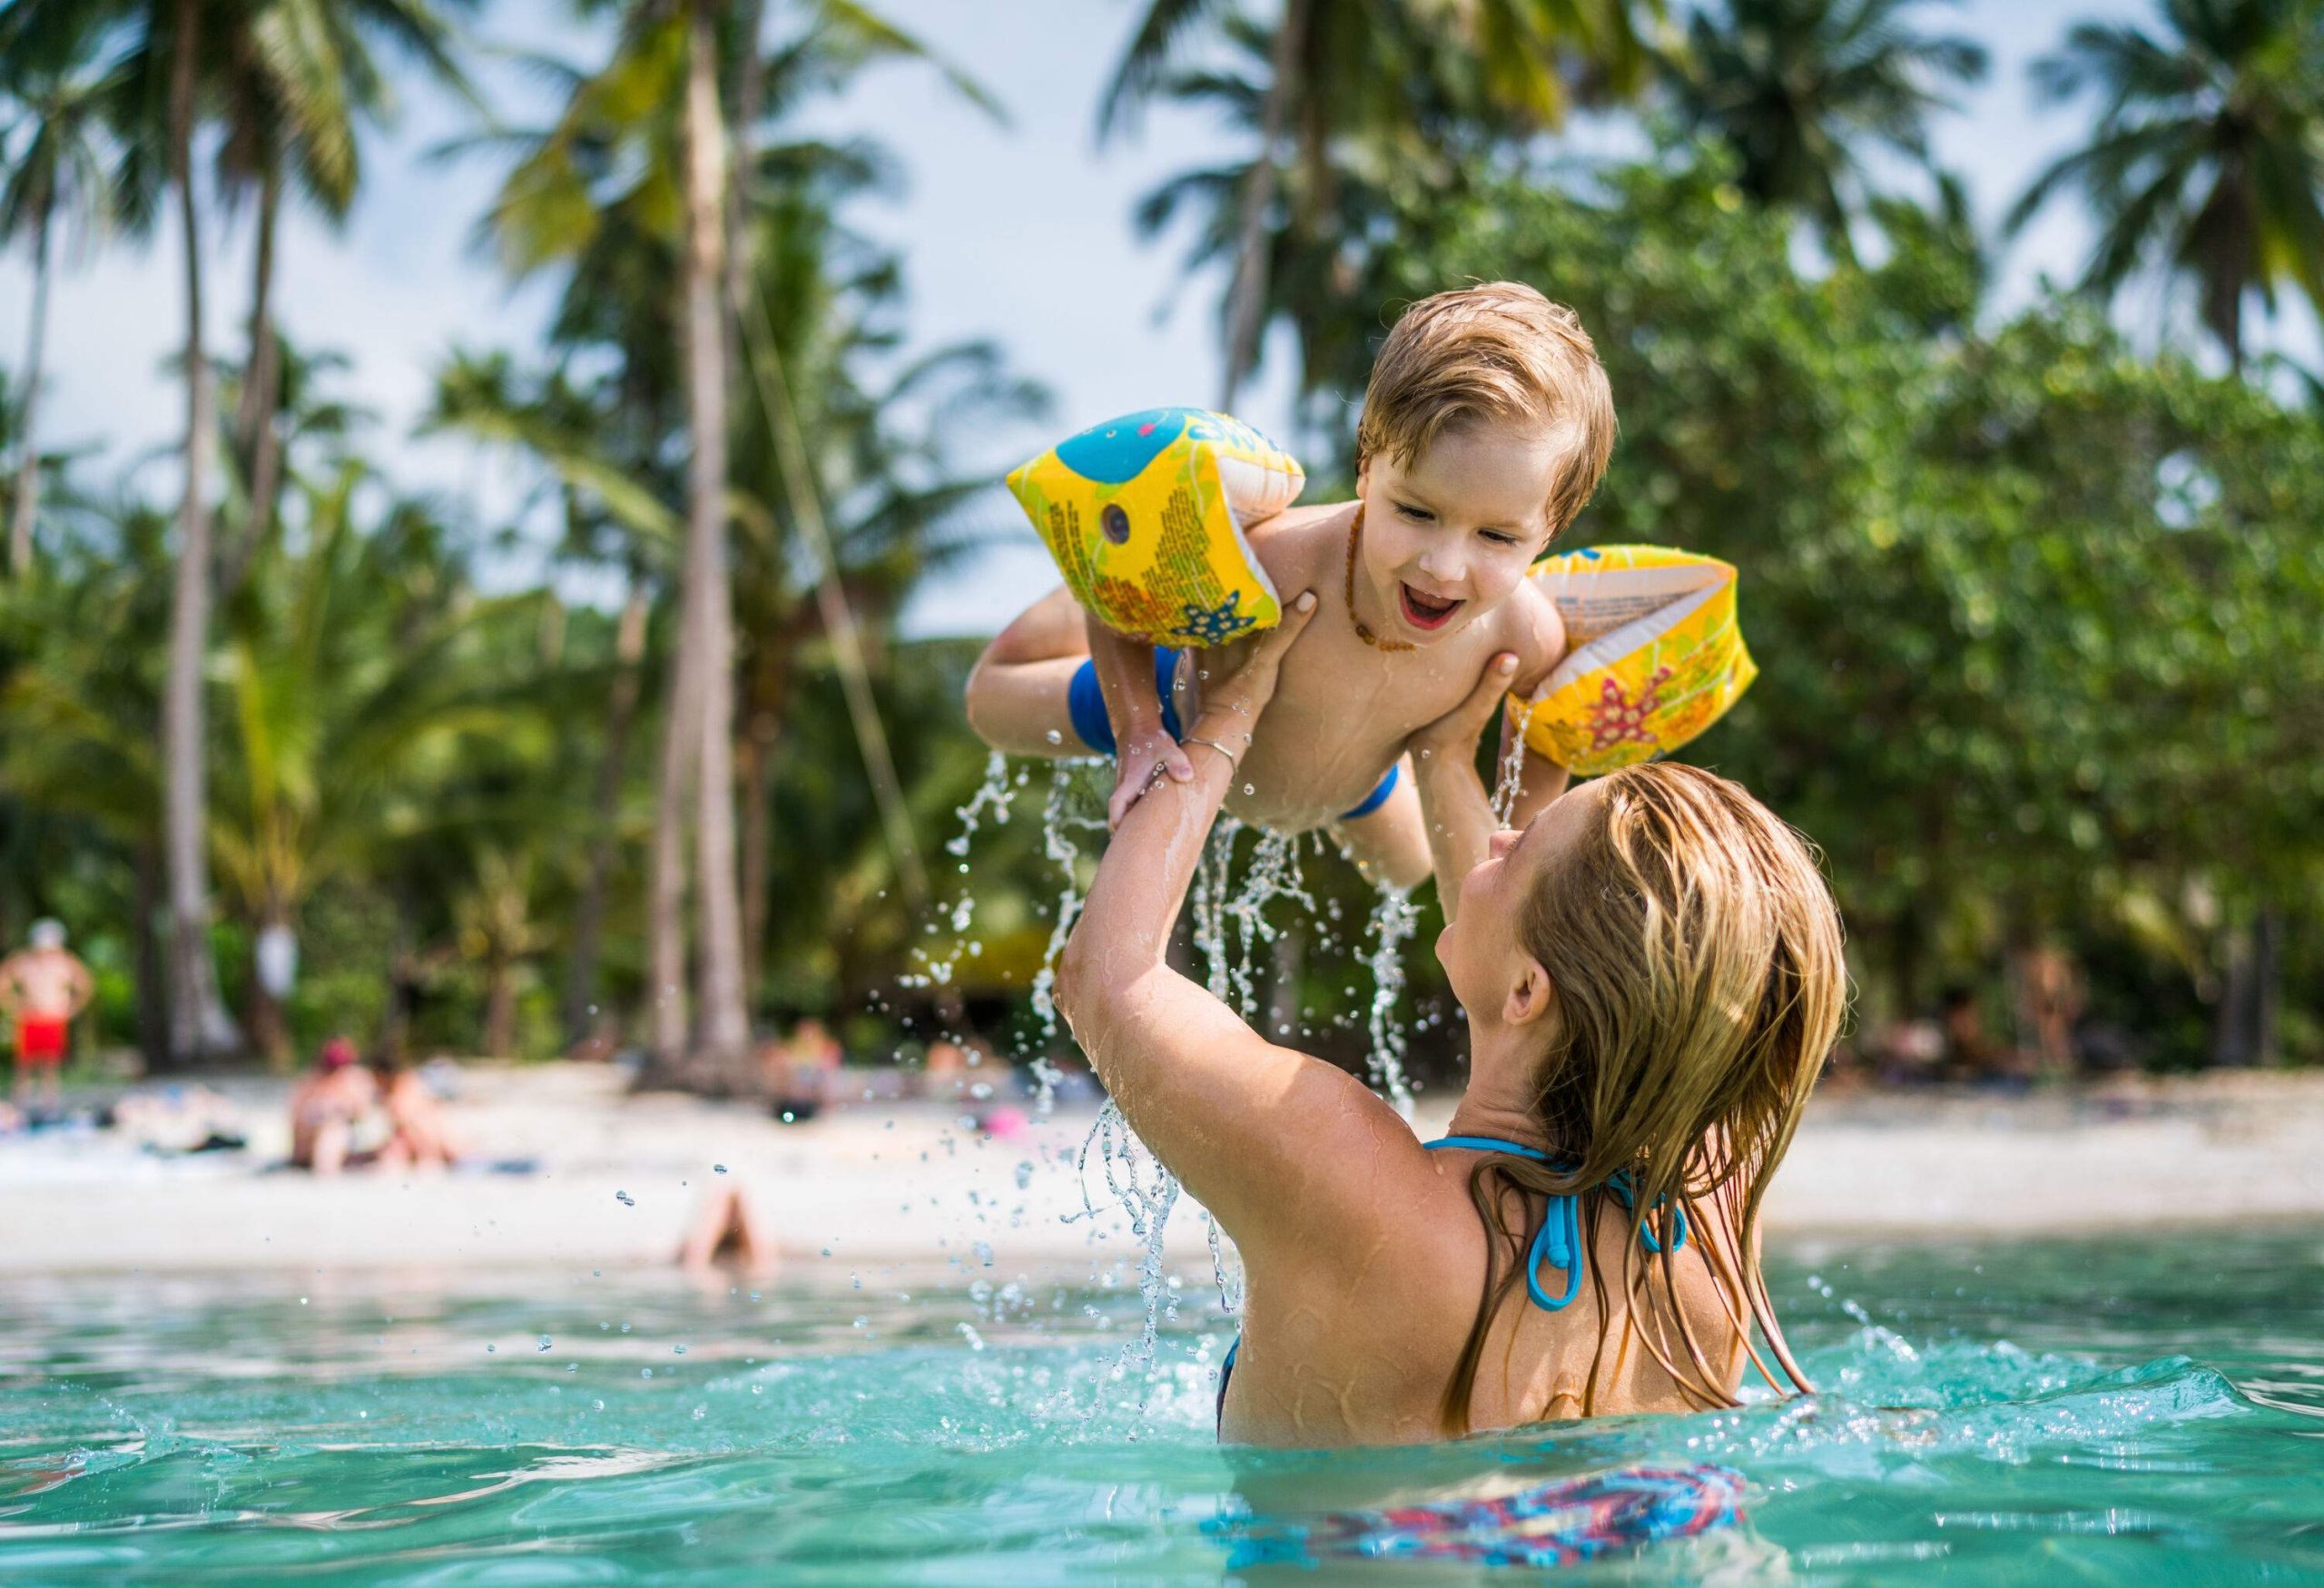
x,y
42,989
801,1072
944,1072
326,1105
417,1136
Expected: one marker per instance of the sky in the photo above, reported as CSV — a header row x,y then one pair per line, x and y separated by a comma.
x,y
1019,233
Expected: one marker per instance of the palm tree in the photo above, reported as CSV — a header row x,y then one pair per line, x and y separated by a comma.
x,y
167,62
57,180
2208,156
1355,65
1798,91
597,192
609,520
363,673
303,79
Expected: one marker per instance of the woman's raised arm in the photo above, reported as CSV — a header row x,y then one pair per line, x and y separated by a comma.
x,y
1242,1123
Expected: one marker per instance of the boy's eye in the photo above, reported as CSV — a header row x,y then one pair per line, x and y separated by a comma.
x,y
1418,514
1499,539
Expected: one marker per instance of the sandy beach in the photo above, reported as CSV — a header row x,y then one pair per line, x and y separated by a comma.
x,y
616,1178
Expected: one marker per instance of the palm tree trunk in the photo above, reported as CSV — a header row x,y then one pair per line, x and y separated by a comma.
x,y
499,1004
758,821
1247,292
20,533
724,1036
665,987
750,98
589,914
257,437
198,1023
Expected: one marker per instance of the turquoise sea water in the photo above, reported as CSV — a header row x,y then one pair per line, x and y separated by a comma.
x,y
2118,1411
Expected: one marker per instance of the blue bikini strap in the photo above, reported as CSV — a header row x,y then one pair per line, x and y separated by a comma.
x,y
1558,1243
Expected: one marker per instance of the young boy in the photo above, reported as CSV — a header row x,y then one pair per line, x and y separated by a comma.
x,y
1486,426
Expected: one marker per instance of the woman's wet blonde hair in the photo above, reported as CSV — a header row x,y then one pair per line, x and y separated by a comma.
x,y
1695,956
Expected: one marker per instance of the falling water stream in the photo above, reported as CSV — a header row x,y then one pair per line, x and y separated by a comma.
x,y
1231,928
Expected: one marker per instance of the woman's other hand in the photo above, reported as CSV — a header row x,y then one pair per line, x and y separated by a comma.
x,y
1454,735
1231,704
1452,804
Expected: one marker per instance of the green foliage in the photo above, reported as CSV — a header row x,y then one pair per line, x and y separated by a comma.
x,y
2036,615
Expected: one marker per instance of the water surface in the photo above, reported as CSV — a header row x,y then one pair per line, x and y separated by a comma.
x,y
2119,1411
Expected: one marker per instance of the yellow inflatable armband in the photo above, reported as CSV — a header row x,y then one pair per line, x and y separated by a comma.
x,y
1654,656
1145,515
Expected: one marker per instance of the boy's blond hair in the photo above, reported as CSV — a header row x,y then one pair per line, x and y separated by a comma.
x,y
1497,350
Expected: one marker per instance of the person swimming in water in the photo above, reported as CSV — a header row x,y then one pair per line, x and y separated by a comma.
x,y
1652,975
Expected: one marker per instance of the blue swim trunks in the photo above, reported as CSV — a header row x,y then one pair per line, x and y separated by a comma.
x,y
1086,704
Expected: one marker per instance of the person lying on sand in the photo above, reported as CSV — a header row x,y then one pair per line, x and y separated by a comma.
x,y
1652,975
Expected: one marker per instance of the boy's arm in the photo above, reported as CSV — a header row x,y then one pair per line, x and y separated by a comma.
x,y
1141,744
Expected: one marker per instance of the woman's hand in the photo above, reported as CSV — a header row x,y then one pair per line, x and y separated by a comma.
x,y
1231,704
1454,735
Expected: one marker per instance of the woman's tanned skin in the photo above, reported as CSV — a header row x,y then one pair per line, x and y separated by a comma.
x,y
1363,1253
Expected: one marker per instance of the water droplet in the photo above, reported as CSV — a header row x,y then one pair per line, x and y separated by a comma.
x,y
1054,737
489,1349
720,1168
758,1389
679,1350
544,1345
1248,790
598,1406
1024,1174
646,1373
625,1198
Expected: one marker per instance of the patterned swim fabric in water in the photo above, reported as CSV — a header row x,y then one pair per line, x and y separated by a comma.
x,y
1559,1524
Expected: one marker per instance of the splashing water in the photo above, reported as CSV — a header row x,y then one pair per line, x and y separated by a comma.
x,y
1510,783
993,799
1057,819
1392,924
1146,1192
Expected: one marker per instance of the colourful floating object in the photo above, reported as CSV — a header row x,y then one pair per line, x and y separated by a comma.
x,y
1654,656
1145,516
1562,1523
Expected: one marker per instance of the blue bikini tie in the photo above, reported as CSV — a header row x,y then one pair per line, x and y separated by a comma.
x,y
1559,1242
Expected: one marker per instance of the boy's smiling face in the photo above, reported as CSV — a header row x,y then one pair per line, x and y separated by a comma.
x,y
1448,532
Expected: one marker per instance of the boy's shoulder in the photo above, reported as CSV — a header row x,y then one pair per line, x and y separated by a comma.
x,y
1300,544
1530,625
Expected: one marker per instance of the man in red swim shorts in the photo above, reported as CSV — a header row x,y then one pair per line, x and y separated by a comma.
x,y
43,987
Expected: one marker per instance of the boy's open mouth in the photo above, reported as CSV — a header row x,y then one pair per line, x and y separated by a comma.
x,y
1425,612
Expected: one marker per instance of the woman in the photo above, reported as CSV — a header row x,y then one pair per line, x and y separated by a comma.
x,y
1652,975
